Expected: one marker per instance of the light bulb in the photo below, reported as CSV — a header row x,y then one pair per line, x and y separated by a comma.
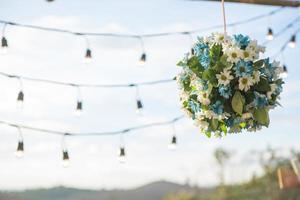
x,y
66,160
142,60
292,42
173,144
122,155
269,35
284,73
88,56
4,45
20,149
78,110
20,99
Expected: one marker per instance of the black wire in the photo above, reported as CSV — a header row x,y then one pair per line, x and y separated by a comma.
x,y
105,133
87,85
138,36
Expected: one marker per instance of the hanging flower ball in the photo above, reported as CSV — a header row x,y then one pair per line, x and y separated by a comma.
x,y
225,87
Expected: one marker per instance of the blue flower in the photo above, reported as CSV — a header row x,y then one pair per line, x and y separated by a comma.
x,y
202,52
268,69
204,58
278,89
230,122
225,91
217,107
195,107
260,100
243,68
241,40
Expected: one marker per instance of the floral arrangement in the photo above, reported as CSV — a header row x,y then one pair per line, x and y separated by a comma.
x,y
225,87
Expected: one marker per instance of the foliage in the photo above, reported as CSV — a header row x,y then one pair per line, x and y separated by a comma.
x,y
225,87
264,187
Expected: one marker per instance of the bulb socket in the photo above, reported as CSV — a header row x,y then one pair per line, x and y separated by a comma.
x,y
79,105
20,146
174,140
143,57
139,104
122,152
4,42
20,96
284,68
88,54
65,155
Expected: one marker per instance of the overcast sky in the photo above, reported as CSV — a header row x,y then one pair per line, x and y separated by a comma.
x,y
94,162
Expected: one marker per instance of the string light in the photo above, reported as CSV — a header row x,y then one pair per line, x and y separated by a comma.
x,y
122,152
284,73
254,18
65,154
88,52
4,43
292,42
115,132
20,97
122,155
142,60
269,35
20,148
78,110
173,143
139,104
143,57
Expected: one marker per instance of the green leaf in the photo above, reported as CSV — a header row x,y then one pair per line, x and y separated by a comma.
x,y
263,85
262,116
195,66
181,64
186,84
208,134
258,64
215,52
223,128
214,124
209,75
238,102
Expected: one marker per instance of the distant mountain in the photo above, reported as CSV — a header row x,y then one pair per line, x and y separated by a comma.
x,y
152,191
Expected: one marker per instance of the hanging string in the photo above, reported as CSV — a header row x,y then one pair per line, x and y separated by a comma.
x,y
224,18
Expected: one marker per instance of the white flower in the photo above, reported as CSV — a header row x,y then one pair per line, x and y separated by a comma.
x,y
245,83
248,54
220,38
255,47
187,112
247,115
224,77
210,114
207,39
273,88
202,124
203,98
256,76
184,96
234,54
